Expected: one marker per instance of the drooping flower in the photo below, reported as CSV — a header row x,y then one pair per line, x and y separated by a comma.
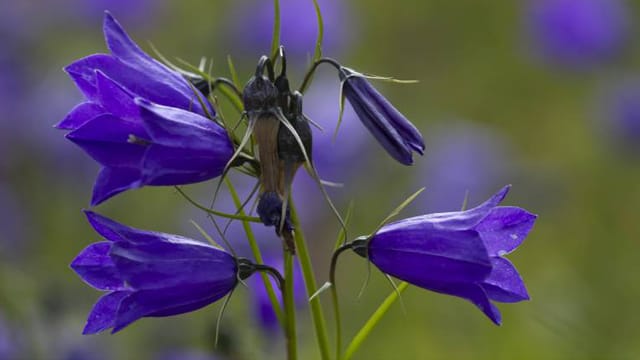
x,y
150,274
394,132
577,33
142,121
456,253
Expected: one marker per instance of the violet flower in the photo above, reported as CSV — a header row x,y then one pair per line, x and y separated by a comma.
x,y
578,33
150,274
456,253
393,131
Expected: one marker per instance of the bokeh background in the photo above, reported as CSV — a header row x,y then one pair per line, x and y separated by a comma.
x,y
541,94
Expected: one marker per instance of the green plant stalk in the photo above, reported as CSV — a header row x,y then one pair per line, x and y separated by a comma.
x,y
275,304
317,313
275,39
373,321
289,306
318,51
217,213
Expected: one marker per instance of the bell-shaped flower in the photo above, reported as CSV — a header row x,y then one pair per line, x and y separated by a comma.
x,y
132,69
140,143
394,132
456,253
150,274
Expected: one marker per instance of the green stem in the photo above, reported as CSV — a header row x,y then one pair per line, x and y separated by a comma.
x,y
318,52
217,213
289,306
275,40
275,304
334,296
317,313
373,321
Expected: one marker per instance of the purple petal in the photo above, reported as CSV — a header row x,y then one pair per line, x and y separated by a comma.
x,y
465,220
414,251
120,44
173,262
82,72
475,294
504,284
112,181
166,302
106,227
103,314
174,166
95,267
105,138
116,99
175,127
148,78
505,228
79,115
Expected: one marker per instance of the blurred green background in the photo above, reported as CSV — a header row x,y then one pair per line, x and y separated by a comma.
x,y
495,104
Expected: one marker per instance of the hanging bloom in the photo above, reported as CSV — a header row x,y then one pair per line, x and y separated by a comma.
x,y
142,121
393,131
133,70
150,274
456,253
578,33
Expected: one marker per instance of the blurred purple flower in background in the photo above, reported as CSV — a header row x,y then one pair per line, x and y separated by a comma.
x,y
150,274
620,115
456,253
577,33
8,346
252,26
14,237
464,157
260,299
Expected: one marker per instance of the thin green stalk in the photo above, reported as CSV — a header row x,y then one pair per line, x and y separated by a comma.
x,y
289,306
334,295
318,52
215,212
275,304
373,321
275,39
317,313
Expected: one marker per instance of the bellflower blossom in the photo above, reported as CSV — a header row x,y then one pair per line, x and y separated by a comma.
x,y
150,274
577,33
393,131
456,253
136,141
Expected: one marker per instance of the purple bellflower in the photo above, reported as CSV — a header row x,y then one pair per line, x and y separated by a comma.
x,y
150,274
139,142
456,253
578,33
393,131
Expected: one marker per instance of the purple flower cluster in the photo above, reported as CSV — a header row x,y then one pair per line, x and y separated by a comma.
x,y
143,122
456,253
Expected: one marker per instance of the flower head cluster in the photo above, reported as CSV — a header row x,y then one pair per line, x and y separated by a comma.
x,y
143,122
456,253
